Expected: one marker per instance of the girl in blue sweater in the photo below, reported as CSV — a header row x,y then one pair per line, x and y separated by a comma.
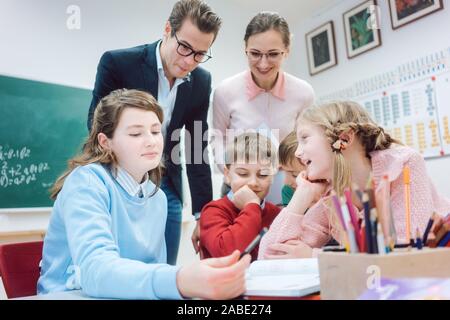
x,y
106,231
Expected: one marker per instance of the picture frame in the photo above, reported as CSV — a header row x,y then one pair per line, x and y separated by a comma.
x,y
362,28
321,48
403,12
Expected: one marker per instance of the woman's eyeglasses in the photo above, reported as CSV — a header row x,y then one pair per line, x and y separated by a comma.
x,y
272,56
185,51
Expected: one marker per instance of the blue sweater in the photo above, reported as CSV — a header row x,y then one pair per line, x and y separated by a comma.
x,y
106,242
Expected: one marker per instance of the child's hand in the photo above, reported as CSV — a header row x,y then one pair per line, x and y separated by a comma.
x,y
291,249
306,194
313,189
214,278
244,196
435,228
195,238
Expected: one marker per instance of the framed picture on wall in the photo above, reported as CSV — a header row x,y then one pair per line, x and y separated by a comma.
x,y
361,27
321,48
407,11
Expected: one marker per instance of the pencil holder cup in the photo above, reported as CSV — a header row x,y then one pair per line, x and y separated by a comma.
x,y
346,276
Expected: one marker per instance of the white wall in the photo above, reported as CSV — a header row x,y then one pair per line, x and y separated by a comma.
x,y
36,44
41,47
404,44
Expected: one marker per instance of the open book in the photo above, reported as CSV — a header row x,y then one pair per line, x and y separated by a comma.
x,y
283,278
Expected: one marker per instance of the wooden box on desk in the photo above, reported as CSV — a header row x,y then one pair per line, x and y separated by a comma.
x,y
345,276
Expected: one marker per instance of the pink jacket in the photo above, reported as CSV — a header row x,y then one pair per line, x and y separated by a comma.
x,y
314,228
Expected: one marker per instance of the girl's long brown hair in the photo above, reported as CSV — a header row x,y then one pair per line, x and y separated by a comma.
x,y
106,118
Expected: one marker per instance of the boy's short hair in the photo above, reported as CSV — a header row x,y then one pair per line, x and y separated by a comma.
x,y
251,148
286,151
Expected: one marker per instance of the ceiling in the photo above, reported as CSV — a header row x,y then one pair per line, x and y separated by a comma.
x,y
293,10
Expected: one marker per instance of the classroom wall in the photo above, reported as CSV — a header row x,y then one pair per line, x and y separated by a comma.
x,y
37,45
419,38
41,47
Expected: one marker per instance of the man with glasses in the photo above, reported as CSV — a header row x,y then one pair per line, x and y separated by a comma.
x,y
168,69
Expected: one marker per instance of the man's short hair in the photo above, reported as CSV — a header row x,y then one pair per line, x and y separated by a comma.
x,y
201,15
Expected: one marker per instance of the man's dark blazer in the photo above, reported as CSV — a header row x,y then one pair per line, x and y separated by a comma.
x,y
135,68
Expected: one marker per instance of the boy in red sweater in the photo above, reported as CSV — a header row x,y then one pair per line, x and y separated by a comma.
x,y
233,221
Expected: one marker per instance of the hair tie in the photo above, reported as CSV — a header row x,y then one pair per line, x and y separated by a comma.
x,y
338,145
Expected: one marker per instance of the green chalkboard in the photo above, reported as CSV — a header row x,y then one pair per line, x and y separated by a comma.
x,y
42,125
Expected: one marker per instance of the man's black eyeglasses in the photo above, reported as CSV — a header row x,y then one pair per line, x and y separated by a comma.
x,y
185,51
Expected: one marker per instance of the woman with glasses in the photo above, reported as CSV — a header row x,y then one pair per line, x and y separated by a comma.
x,y
263,98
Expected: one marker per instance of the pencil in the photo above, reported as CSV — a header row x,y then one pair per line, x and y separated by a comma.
x,y
444,240
368,229
428,228
338,212
254,243
337,205
392,230
391,236
374,226
352,240
384,206
380,241
418,240
407,181
349,228
353,215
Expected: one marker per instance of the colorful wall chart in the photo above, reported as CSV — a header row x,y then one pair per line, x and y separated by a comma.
x,y
412,102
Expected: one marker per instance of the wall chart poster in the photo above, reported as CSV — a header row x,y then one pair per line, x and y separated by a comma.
x,y
412,102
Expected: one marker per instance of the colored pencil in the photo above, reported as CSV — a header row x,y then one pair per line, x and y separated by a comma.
x,y
367,225
428,228
406,182
418,240
353,215
380,241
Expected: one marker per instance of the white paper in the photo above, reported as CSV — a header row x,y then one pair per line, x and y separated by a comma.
x,y
292,277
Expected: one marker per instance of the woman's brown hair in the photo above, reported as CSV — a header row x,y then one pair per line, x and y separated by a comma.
x,y
265,21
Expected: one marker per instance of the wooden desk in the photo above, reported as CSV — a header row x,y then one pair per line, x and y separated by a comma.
x,y
315,296
78,295
64,295
22,236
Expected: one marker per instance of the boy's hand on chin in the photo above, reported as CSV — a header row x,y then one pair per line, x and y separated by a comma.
x,y
244,196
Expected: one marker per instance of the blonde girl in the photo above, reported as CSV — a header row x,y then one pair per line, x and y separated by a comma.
x,y
341,145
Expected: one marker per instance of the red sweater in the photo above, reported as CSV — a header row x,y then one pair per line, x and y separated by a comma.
x,y
223,228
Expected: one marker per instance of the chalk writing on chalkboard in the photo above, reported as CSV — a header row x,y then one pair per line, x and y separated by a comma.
x,y
15,172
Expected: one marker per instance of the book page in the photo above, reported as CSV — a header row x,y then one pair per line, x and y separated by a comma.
x,y
283,267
